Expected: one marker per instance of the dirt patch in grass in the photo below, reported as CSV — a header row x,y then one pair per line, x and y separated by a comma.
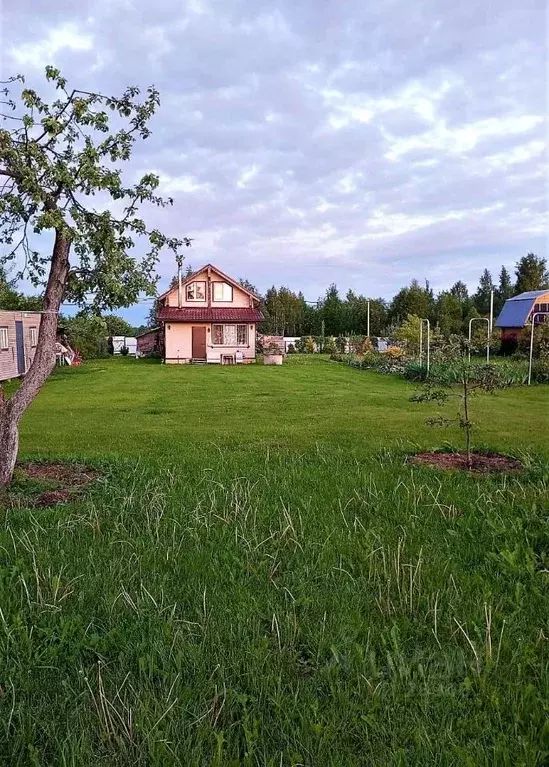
x,y
69,474
45,484
481,463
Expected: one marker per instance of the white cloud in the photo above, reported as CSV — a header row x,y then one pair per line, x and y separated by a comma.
x,y
67,36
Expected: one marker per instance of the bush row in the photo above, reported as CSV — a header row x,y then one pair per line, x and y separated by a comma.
x,y
512,372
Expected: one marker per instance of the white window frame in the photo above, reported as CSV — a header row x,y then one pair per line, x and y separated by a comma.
x,y
226,332
223,298
33,336
191,285
4,338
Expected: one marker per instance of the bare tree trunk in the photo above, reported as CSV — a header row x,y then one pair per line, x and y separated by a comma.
x,y
13,409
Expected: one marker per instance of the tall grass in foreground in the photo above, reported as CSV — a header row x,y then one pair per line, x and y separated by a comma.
x,y
282,608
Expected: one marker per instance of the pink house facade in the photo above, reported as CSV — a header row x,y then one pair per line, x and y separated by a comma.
x,y
211,319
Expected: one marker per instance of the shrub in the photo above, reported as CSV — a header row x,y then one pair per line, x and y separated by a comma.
x,y
309,346
541,339
414,371
367,345
540,370
394,352
355,344
341,344
329,346
124,351
291,349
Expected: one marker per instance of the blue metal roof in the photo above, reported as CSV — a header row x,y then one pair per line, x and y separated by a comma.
x,y
529,295
514,313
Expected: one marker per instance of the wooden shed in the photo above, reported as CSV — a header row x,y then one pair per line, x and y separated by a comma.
x,y
18,339
149,343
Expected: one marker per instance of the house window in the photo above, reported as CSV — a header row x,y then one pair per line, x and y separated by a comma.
x,y
33,334
230,335
241,335
4,338
196,291
222,291
217,335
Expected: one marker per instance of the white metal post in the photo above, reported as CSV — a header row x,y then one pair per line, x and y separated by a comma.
x,y
536,314
428,324
368,321
428,344
179,290
480,319
491,311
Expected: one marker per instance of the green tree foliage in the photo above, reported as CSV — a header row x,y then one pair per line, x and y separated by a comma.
x,y
541,340
248,285
355,312
482,296
12,299
56,159
331,309
284,312
408,333
87,333
412,300
118,326
531,273
449,313
460,291
504,290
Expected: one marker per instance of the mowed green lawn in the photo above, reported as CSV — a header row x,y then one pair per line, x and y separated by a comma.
x,y
259,579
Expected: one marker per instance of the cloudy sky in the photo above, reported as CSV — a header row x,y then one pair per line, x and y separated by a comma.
x,y
311,141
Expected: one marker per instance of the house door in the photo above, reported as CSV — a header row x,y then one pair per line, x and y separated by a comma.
x,y
20,346
199,343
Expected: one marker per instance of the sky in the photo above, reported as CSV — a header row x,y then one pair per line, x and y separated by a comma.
x,y
307,142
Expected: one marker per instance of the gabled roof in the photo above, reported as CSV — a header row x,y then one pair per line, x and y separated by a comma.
x,y
226,277
529,295
516,310
207,314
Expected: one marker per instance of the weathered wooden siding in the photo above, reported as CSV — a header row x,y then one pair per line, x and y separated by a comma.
x,y
8,357
149,343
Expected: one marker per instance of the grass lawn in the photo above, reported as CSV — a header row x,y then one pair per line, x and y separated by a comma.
x,y
259,579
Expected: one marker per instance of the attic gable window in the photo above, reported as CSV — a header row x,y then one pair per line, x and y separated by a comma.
x,y
195,291
222,291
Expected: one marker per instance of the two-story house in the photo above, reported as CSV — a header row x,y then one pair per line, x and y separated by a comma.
x,y
209,318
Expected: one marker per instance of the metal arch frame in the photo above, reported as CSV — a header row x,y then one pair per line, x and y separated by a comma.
x,y
536,314
480,319
426,321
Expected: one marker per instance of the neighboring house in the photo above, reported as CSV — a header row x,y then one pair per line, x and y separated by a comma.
x,y
213,320
517,312
150,343
18,339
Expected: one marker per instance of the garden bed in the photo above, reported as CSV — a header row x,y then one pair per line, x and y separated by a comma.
x,y
45,484
481,463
